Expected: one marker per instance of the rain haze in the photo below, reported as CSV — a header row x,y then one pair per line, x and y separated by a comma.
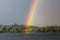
x,y
15,11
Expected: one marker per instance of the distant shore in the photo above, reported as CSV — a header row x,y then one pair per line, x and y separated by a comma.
x,y
15,28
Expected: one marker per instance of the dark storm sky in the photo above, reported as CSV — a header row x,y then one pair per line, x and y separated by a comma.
x,y
15,11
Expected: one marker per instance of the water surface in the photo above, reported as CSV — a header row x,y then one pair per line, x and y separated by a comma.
x,y
30,36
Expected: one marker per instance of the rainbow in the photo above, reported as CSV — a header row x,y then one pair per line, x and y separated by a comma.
x,y
31,14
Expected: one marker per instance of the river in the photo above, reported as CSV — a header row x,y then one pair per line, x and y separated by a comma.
x,y
30,36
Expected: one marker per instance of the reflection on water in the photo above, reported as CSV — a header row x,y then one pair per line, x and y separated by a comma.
x,y
31,36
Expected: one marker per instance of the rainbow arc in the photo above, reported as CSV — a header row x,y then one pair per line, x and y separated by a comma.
x,y
31,14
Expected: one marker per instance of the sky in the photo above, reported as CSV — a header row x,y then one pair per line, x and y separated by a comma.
x,y
15,12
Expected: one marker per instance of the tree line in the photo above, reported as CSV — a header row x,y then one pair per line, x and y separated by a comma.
x,y
15,28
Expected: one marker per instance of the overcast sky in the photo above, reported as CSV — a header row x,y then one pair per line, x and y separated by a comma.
x,y
15,11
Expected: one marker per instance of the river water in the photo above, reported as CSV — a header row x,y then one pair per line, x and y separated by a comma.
x,y
30,36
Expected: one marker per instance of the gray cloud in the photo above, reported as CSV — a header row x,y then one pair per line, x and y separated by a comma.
x,y
15,11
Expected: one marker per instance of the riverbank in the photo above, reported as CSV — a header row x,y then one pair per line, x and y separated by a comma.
x,y
20,28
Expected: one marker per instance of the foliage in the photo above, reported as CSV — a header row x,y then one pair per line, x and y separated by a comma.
x,y
20,28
